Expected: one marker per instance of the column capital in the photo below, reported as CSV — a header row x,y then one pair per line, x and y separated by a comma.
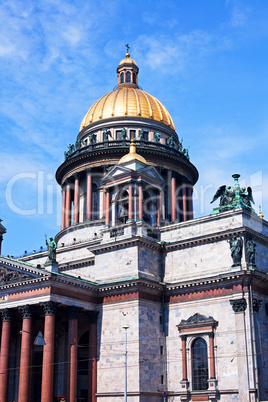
x,y
7,314
27,311
239,305
211,335
107,190
76,176
73,312
256,305
183,337
93,317
88,170
50,307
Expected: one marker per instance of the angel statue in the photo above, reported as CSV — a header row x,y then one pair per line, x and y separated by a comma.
x,y
226,194
247,197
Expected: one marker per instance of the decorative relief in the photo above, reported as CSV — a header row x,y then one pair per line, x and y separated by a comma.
x,y
9,275
239,305
93,316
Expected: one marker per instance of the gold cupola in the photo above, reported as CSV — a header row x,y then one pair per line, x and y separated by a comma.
x,y
132,155
127,100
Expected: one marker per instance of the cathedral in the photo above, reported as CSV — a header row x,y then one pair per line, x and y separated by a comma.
x,y
135,299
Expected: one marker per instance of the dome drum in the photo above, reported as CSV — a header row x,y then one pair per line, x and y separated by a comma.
x,y
127,139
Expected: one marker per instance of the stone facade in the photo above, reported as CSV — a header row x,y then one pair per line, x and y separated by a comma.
x,y
135,272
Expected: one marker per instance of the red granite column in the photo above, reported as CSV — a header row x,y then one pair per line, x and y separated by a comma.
x,y
73,314
212,356
68,206
159,207
130,202
92,369
184,358
184,202
25,354
190,202
76,199
140,202
107,207
48,352
5,345
173,199
63,208
89,196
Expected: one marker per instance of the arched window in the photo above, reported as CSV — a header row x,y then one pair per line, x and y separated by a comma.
x,y
122,207
128,76
149,208
134,78
121,78
199,365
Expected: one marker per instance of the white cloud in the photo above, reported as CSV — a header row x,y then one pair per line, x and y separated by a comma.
x,y
181,51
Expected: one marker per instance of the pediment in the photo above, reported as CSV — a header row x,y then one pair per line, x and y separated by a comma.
x,y
197,320
12,271
151,171
116,171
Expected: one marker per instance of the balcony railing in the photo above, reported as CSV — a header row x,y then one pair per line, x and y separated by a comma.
x,y
124,144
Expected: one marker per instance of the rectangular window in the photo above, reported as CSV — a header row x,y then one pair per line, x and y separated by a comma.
x,y
118,135
146,136
162,379
161,350
160,320
132,134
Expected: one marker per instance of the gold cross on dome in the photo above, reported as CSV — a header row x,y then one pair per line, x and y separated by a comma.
x,y
127,46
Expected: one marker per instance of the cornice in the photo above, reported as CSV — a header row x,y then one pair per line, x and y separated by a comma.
x,y
86,159
131,284
231,277
123,243
210,238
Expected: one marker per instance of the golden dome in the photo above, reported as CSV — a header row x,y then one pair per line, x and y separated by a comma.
x,y
127,101
127,60
132,155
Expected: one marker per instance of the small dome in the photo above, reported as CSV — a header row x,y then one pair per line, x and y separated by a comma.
x,y
127,101
127,60
132,155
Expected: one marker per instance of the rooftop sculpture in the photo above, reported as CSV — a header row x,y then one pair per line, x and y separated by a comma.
x,y
233,197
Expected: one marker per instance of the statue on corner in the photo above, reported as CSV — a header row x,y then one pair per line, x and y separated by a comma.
x,y
236,246
233,197
51,250
250,247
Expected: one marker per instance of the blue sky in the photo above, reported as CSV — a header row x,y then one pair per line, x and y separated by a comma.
x,y
206,61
